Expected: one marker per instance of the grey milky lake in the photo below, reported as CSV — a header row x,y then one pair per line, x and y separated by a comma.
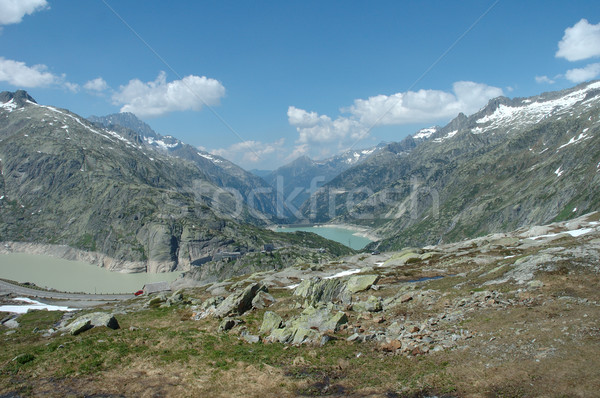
x,y
73,276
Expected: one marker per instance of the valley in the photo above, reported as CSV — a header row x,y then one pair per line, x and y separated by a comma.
x,y
461,261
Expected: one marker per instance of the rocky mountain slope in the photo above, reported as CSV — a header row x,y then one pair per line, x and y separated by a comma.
x,y
253,190
503,315
299,179
65,181
516,162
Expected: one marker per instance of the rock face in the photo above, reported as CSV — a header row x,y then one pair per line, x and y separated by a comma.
x,y
238,302
69,183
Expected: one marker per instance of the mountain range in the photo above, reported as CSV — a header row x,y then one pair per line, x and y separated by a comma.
x,y
516,162
67,181
148,202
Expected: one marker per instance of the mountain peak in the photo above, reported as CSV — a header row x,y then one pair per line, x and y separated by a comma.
x,y
19,97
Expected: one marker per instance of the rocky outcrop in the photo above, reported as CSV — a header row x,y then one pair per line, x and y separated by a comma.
x,y
238,302
312,324
89,321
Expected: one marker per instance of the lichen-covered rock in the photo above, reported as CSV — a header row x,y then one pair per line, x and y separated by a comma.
x,y
316,290
358,283
271,321
238,302
80,326
309,327
372,304
95,319
263,300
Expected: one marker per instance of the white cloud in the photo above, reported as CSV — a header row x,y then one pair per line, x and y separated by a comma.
x,y
544,79
581,41
588,72
72,87
97,84
423,106
159,97
13,11
19,74
250,152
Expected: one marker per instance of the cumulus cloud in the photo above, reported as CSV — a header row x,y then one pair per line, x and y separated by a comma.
x,y
72,87
423,106
544,79
588,72
159,97
13,11
19,74
581,41
98,84
250,152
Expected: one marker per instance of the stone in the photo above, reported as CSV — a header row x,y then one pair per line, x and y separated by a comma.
x,y
303,334
359,283
11,323
80,326
250,338
535,284
283,335
316,290
354,337
227,324
392,346
157,300
406,298
271,321
89,321
262,300
372,304
238,302
334,322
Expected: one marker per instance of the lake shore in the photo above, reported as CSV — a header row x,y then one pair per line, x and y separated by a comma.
x,y
363,232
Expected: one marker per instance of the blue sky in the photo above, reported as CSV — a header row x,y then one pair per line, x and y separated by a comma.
x,y
262,82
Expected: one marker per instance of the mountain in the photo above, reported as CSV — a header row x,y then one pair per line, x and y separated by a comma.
x,y
122,204
223,173
516,162
296,181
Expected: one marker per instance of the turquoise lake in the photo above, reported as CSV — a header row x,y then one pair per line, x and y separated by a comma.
x,y
342,235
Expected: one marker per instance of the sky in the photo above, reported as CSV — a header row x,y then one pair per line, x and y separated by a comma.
x,y
263,82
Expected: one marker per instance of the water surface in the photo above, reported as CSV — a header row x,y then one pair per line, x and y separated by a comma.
x,y
345,236
73,276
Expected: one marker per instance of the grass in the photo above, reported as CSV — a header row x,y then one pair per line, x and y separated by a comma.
x,y
546,344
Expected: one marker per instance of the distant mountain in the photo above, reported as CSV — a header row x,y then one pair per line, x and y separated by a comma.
x,y
298,180
514,163
255,192
66,181
261,173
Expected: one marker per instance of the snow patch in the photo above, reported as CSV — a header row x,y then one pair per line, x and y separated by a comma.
x,y
425,133
574,233
532,112
343,273
32,305
559,172
9,106
574,140
447,136
160,143
207,156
